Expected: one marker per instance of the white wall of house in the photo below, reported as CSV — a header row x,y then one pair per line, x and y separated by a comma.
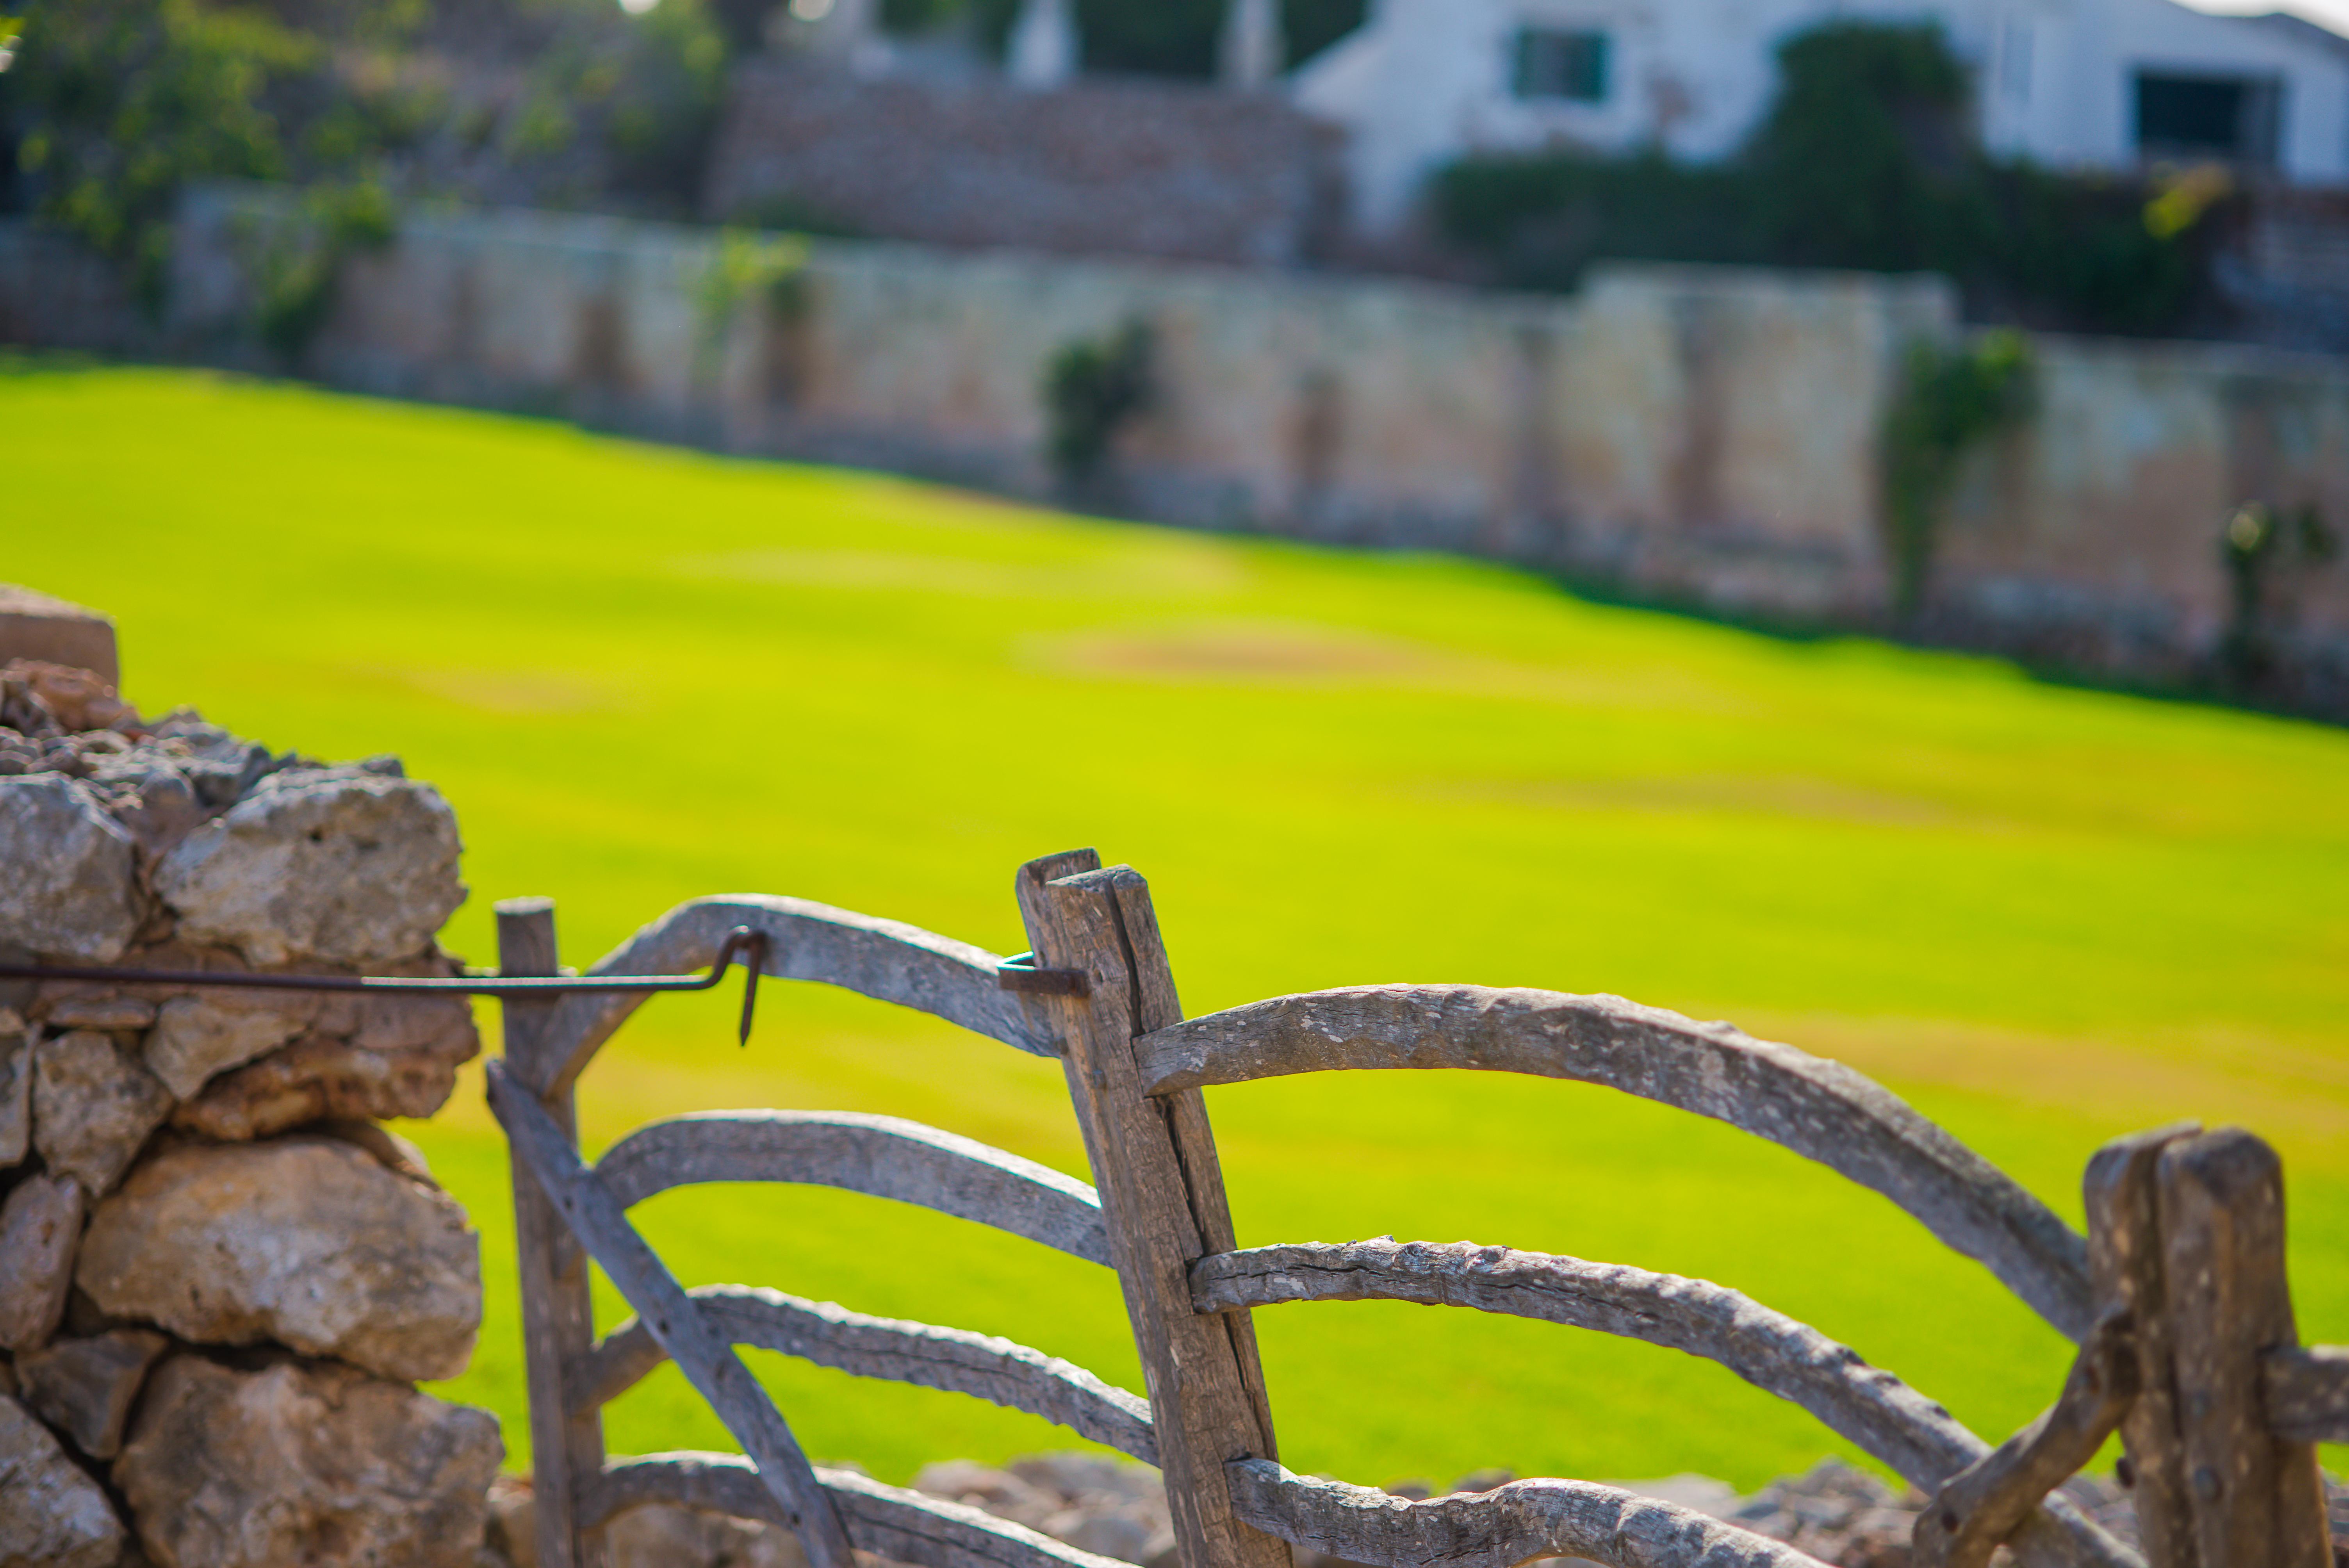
x,y
1424,81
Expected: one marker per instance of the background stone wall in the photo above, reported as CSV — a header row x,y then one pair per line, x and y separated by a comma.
x,y
220,1277
1117,167
1705,435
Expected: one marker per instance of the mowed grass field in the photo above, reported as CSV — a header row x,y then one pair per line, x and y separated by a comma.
x,y
2043,916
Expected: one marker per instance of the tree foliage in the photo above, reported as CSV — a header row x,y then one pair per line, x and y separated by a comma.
x,y
1951,399
117,104
1093,390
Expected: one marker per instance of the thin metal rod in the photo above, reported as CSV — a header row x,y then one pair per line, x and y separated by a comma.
x,y
743,943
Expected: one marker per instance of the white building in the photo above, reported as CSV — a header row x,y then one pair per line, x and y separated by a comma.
x,y
2095,84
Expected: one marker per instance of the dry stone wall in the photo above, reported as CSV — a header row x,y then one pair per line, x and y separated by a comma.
x,y
220,1277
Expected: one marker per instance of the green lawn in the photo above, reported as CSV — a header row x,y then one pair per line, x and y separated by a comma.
x,y
2045,915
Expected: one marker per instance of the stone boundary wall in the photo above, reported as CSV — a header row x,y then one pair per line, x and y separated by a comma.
x,y
220,1277
1706,436
1101,167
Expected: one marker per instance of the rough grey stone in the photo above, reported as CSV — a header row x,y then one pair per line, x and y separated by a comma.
x,y
16,1091
307,1242
1836,1513
318,1077
83,1388
93,1106
196,1037
305,1462
39,1225
102,1010
1106,1506
659,1536
53,1515
341,864
71,867
388,1149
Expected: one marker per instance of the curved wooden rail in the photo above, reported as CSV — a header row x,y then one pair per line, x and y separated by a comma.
x,y
2307,1393
953,1360
884,959
1819,1108
1871,1407
884,1156
1496,1528
888,1521
779,1466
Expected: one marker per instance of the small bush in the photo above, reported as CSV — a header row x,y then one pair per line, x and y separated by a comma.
x,y
124,100
1091,389
299,268
1951,399
2256,543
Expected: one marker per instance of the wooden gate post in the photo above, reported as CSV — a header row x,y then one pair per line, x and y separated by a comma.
x,y
2124,1265
557,1319
2256,1500
1162,1196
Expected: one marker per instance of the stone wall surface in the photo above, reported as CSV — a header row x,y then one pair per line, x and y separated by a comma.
x,y
219,1278
1704,435
1118,167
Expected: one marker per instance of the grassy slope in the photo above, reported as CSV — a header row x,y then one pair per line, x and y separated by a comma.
x,y
2045,916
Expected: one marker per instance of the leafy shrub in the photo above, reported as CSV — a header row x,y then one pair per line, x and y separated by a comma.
x,y
671,86
118,103
2256,543
1951,399
299,266
1863,161
747,266
1091,389
124,100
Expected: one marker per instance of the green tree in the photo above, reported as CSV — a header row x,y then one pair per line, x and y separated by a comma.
x,y
124,100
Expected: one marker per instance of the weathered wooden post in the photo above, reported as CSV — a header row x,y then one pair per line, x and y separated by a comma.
x,y
557,1320
1161,1194
2256,1500
2124,1266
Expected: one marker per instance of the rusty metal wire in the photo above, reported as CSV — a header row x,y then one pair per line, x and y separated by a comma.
x,y
742,942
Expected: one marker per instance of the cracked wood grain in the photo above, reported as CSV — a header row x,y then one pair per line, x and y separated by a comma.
x,y
1154,1160
558,1318
2124,1263
884,959
1988,1500
2257,1498
953,1360
2308,1392
1819,1108
1774,1352
881,1155
890,1523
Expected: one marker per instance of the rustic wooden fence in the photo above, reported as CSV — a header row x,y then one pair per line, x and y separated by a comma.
x,y
2176,1296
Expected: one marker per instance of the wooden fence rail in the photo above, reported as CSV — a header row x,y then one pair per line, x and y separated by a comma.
x,y
2175,1297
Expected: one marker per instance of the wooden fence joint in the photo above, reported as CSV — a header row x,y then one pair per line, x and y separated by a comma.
x,y
1162,1196
2255,1500
1977,1509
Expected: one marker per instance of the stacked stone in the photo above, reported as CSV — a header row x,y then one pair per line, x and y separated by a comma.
x,y
219,1279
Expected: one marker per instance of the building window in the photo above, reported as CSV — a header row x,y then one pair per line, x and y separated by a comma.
x,y
2233,117
1557,63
